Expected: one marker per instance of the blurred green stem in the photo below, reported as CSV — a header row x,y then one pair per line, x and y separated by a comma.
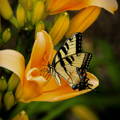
x,y
13,20
108,59
57,108
0,25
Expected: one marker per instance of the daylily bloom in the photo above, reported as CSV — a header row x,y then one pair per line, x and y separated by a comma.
x,y
36,84
89,11
83,20
57,6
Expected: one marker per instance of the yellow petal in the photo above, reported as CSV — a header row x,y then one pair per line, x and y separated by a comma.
x,y
60,27
39,26
42,50
20,15
83,20
38,11
110,5
34,75
12,60
5,9
64,91
42,53
57,6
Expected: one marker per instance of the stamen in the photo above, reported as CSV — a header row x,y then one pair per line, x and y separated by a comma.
x,y
34,75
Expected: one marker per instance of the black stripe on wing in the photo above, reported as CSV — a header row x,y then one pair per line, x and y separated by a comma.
x,y
78,42
86,61
61,61
71,46
70,61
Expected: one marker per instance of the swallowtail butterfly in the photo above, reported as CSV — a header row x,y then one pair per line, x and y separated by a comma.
x,y
70,59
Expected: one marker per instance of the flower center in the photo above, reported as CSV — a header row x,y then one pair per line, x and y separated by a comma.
x,y
41,76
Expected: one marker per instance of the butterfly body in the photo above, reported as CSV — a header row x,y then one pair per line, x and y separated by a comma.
x,y
83,83
69,61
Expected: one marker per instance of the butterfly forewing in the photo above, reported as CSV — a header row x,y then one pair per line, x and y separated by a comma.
x,y
71,46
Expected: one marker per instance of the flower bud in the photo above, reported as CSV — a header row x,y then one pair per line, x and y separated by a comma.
x,y
27,4
6,35
9,100
14,21
39,26
5,9
21,116
20,14
13,82
83,20
37,11
60,27
3,84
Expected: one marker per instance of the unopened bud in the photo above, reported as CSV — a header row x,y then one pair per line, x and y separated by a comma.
x,y
27,4
3,84
13,82
5,9
6,35
60,27
38,11
39,26
83,20
9,100
21,116
20,14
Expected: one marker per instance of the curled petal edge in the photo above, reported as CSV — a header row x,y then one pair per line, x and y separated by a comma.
x,y
13,61
61,6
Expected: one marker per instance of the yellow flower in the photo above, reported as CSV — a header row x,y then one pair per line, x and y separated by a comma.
x,y
21,15
34,84
83,20
38,11
27,4
39,26
89,11
60,27
5,9
57,6
6,35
